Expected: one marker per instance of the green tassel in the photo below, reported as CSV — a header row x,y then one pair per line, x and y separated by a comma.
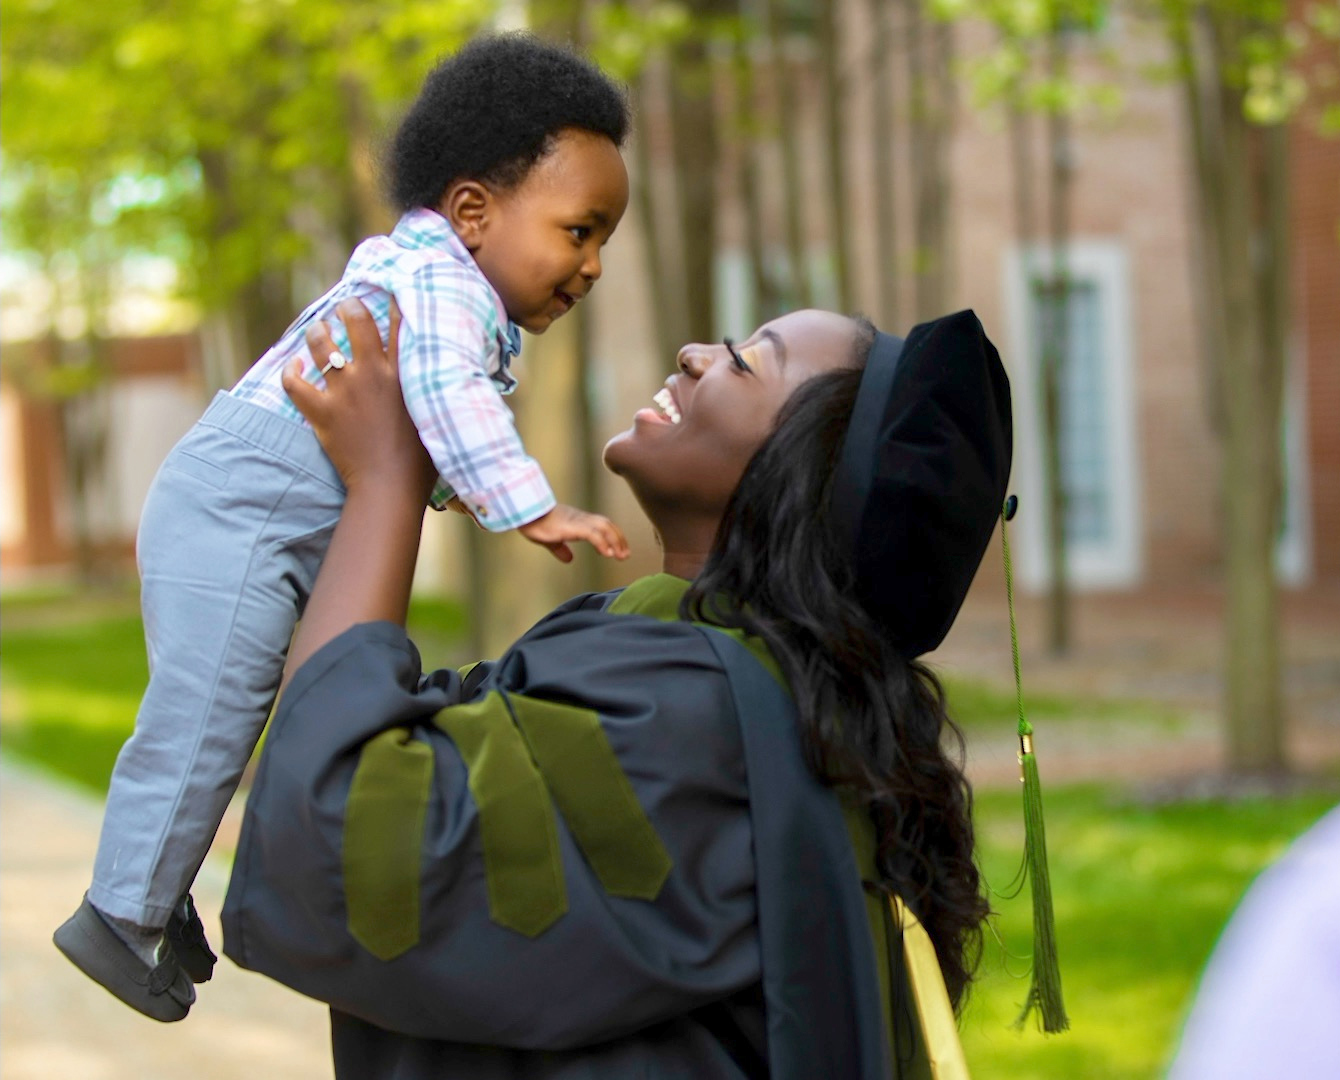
x,y
1044,991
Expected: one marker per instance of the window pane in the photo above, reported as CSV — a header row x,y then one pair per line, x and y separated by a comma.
x,y
1084,436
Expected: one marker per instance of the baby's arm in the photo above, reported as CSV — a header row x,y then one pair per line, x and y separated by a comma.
x,y
462,419
468,430
562,524
566,523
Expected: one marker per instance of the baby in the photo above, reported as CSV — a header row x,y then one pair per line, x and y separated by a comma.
x,y
509,175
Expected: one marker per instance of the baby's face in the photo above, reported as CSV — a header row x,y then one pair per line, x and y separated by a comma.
x,y
540,242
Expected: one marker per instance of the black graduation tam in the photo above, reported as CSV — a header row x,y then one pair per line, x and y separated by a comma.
x,y
922,475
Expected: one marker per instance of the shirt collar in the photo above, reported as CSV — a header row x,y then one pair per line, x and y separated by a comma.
x,y
511,342
425,228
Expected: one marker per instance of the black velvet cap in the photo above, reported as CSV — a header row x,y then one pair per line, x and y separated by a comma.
x,y
922,475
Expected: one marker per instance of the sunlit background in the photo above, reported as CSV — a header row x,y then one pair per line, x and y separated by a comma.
x,y
1140,200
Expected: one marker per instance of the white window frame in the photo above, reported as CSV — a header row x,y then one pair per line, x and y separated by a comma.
x,y
1293,549
1118,562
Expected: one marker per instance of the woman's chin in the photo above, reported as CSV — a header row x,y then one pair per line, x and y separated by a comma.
x,y
622,450
614,456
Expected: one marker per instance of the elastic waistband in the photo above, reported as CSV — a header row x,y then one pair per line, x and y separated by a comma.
x,y
287,439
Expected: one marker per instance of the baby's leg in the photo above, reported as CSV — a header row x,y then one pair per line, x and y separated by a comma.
x,y
230,540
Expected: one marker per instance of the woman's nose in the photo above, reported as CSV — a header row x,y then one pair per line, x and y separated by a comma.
x,y
694,359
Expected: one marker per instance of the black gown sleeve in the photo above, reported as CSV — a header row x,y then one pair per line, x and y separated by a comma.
x,y
581,861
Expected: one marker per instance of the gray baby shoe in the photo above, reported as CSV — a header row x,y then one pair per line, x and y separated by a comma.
x,y
163,992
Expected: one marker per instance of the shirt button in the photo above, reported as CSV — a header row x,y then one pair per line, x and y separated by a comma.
x,y
481,511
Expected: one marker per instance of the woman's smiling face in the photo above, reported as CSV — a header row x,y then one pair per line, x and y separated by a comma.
x,y
687,456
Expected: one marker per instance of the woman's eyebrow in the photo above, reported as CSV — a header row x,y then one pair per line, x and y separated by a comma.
x,y
778,345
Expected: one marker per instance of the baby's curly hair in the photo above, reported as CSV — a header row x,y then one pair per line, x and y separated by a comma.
x,y
490,111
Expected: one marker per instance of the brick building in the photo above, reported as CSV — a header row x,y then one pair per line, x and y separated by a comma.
x,y
153,394
1142,456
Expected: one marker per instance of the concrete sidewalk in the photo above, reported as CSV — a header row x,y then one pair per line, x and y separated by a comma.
x,y
56,1024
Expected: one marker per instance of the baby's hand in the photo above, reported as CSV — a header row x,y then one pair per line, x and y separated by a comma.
x,y
564,523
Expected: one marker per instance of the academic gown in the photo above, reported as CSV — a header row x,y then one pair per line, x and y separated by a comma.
x,y
601,856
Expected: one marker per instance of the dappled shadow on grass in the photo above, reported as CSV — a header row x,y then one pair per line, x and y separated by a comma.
x,y
1141,894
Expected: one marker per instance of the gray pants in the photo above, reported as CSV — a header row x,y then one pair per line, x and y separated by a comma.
x,y
233,531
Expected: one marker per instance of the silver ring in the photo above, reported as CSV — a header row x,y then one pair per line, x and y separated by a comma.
x,y
335,360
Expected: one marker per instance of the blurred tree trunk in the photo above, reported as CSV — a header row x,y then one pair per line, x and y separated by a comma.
x,y
830,47
1025,186
1055,347
262,308
1241,178
801,295
884,156
366,212
929,52
664,282
1047,288
78,383
513,582
267,307
72,375
695,142
1207,286
766,302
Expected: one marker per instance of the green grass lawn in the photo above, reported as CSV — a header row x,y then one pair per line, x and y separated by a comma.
x,y
72,670
1141,893
979,706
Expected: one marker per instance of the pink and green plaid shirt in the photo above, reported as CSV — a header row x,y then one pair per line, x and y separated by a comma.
x,y
456,344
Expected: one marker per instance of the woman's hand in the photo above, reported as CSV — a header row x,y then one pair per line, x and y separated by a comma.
x,y
361,421
360,417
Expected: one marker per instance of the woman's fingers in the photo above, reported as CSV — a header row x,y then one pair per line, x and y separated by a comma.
x,y
393,336
359,416
302,393
319,341
308,398
364,338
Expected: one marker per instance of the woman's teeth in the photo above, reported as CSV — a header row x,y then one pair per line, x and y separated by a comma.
x,y
666,403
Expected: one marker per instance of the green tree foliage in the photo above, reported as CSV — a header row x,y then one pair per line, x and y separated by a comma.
x,y
228,134
234,137
1323,21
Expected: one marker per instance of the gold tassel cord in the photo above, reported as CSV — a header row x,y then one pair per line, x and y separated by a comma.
x,y
1044,991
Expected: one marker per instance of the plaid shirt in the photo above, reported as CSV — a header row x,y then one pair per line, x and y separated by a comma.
x,y
456,343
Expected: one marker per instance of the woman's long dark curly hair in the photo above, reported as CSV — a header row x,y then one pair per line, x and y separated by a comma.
x,y
871,720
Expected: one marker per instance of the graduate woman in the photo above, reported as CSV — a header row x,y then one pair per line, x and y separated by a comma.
x,y
692,828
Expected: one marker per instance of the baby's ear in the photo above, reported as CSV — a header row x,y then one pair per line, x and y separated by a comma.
x,y
466,205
